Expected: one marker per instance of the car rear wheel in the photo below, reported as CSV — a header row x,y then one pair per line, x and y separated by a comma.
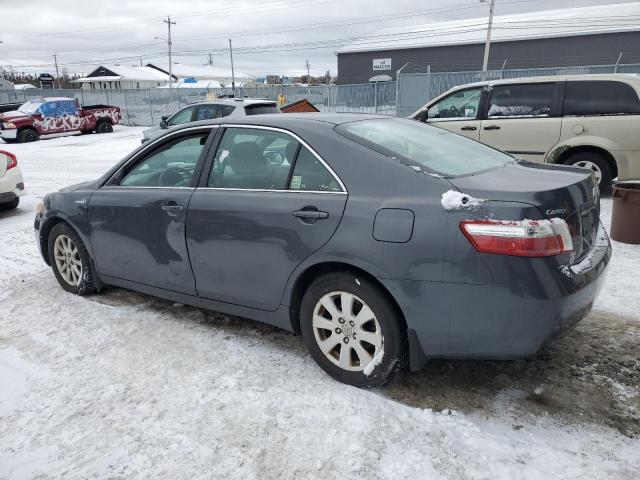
x,y
28,135
351,329
104,127
70,260
594,162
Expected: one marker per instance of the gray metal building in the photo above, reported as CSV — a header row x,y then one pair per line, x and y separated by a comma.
x,y
553,38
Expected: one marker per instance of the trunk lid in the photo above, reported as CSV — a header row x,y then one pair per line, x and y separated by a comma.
x,y
557,191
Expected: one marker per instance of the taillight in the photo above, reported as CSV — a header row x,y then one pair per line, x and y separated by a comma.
x,y
12,161
523,238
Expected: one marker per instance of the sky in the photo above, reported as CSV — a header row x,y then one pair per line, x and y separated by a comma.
x,y
269,37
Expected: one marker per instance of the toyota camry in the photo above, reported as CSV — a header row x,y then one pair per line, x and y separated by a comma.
x,y
384,242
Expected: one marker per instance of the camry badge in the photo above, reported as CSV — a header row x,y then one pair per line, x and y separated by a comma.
x,y
556,211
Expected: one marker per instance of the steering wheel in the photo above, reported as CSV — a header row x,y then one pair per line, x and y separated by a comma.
x,y
174,177
454,112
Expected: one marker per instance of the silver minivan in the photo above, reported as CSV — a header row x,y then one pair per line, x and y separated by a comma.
x,y
590,121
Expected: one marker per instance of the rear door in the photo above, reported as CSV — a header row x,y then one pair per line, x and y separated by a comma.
x,y
523,119
458,112
266,203
137,220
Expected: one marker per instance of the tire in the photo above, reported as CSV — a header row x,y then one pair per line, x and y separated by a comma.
x,y
599,165
104,127
10,205
28,135
363,356
64,242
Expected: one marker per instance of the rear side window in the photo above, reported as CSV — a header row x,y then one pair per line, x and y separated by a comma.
x,y
532,100
261,108
206,112
311,175
600,98
418,144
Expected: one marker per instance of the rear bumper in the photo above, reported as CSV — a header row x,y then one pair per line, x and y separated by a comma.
x,y
458,320
11,185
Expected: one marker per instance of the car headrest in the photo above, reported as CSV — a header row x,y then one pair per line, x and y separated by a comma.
x,y
246,158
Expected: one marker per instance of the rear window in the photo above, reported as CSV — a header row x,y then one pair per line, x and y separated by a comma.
x,y
600,98
260,108
417,144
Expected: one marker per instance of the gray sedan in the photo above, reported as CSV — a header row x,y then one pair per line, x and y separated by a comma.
x,y
382,241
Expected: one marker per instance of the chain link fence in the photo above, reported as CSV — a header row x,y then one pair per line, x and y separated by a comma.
x,y
145,107
416,85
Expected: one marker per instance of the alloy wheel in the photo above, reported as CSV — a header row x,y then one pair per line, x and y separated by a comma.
x,y
591,166
347,330
68,261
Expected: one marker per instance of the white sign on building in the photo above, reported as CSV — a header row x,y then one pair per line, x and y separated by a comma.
x,y
382,64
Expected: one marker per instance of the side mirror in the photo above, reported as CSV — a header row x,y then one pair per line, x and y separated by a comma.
x,y
163,122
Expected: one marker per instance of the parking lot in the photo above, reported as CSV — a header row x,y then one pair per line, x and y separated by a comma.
x,y
122,384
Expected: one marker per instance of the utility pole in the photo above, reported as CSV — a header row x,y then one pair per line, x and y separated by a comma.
x,y
308,65
485,62
210,62
1,69
55,60
233,75
169,43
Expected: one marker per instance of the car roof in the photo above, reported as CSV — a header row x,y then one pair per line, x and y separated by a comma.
x,y
631,77
236,101
287,121
49,99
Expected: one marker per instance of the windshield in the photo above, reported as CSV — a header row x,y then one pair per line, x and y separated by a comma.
x,y
417,144
29,107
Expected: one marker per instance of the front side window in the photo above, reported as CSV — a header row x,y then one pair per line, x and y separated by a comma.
x,y
462,105
600,98
183,116
251,158
417,144
172,165
532,100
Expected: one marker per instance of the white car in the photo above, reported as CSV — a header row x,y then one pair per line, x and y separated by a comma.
x,y
11,184
588,121
207,109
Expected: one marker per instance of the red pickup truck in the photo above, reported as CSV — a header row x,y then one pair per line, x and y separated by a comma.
x,y
55,115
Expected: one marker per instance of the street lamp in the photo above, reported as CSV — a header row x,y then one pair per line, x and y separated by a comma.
x,y
485,62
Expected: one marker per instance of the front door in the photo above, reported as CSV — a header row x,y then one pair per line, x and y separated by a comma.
x,y
523,119
138,219
458,112
267,203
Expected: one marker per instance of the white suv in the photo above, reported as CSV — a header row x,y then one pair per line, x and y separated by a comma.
x,y
11,185
204,110
591,121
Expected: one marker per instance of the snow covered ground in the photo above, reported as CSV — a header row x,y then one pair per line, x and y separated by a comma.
x,y
125,385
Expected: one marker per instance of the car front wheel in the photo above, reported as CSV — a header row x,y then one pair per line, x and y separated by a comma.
x,y
352,330
70,260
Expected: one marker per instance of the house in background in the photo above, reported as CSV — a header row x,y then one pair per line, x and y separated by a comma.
x,y
191,82
117,77
203,72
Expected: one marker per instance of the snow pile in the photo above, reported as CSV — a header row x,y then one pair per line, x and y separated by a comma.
x,y
377,359
454,200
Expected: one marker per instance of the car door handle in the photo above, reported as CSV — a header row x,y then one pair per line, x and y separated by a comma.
x,y
313,214
469,128
172,209
492,127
